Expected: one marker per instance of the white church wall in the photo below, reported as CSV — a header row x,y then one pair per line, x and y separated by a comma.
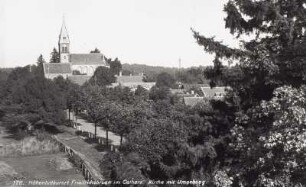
x,y
85,69
54,75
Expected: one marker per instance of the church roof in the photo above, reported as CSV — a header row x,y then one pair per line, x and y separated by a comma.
x,y
57,68
64,37
87,59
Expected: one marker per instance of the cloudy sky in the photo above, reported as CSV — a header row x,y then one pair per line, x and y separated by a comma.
x,y
153,32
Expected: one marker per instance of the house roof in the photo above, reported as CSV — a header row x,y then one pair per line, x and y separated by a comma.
x,y
79,79
130,79
190,86
57,68
87,59
177,91
191,101
212,92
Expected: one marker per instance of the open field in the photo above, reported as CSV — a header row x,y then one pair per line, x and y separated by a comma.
x,y
30,159
43,167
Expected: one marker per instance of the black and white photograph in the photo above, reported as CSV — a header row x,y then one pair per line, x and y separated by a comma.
x,y
153,93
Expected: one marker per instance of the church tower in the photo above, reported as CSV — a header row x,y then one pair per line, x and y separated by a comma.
x,y
64,44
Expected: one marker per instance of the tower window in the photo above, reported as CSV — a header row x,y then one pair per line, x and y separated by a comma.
x,y
64,38
64,49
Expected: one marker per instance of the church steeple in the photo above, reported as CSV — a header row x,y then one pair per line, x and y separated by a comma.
x,y
64,44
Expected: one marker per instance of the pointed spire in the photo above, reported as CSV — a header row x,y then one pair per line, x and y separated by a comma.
x,y
64,37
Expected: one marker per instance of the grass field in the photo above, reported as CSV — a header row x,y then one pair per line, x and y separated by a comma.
x,y
43,167
30,159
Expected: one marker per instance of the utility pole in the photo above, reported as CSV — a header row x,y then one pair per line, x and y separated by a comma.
x,y
179,73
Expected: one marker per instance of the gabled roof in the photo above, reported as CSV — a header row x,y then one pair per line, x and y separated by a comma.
x,y
191,101
130,79
87,59
57,68
190,86
213,92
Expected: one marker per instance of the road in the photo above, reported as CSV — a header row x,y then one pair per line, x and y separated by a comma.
x,y
90,127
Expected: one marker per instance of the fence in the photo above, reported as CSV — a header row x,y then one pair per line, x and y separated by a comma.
x,y
79,160
88,171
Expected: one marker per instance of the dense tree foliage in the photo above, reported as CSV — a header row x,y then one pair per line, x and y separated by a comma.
x,y
165,80
270,69
115,65
27,97
102,77
96,50
55,56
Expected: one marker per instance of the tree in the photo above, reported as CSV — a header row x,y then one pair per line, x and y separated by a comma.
x,y
121,120
93,103
122,95
96,50
158,142
115,65
273,57
99,108
141,92
274,52
165,80
102,77
157,93
55,56
39,69
74,99
40,60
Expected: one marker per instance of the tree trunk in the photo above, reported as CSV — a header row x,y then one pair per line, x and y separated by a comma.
x,y
69,113
75,114
106,130
121,138
95,130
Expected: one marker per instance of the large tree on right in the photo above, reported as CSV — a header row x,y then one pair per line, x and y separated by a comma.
x,y
273,55
270,64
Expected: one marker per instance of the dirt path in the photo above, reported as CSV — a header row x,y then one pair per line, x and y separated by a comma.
x,y
90,127
79,144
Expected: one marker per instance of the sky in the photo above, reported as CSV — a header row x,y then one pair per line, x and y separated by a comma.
x,y
152,32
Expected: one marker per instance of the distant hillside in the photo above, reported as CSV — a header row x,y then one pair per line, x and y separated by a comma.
x,y
193,75
150,71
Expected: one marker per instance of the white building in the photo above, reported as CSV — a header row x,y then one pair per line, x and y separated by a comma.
x,y
73,64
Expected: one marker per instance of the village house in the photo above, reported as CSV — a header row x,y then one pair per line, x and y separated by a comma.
x,y
190,97
132,81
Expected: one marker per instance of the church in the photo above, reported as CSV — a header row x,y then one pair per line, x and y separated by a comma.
x,y
76,67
